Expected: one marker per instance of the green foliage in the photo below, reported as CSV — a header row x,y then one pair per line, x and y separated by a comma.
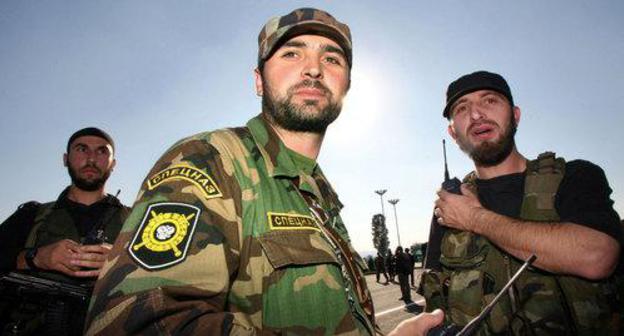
x,y
380,234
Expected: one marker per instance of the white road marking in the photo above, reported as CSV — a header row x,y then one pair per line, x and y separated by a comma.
x,y
419,302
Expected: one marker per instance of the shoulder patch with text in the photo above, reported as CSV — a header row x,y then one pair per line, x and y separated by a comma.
x,y
164,235
191,174
284,221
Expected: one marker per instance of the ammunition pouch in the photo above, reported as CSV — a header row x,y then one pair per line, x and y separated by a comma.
x,y
432,286
593,304
472,282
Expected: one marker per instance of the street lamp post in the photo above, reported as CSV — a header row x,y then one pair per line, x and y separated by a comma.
x,y
380,192
396,221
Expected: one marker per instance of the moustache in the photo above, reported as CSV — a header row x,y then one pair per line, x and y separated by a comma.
x,y
91,166
308,83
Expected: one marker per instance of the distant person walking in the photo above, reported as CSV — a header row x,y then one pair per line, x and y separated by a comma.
x,y
380,267
403,265
390,265
412,258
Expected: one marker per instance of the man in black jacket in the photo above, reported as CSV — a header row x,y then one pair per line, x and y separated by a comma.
x,y
403,266
66,240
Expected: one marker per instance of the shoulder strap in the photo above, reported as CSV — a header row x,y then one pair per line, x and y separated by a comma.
x,y
42,213
543,177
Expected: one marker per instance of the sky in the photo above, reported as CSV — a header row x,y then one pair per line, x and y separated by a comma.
x,y
153,72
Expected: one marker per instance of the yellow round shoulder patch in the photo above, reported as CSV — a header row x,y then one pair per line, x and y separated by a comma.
x,y
164,235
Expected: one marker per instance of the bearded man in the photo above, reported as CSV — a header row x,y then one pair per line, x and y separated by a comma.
x,y
511,208
237,231
66,240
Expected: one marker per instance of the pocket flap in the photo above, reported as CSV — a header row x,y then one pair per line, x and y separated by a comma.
x,y
296,247
462,249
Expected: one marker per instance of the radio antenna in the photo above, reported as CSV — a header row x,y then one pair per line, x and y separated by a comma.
x,y
446,172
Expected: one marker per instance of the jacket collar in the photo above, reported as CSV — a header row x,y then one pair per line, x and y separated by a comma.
x,y
63,200
273,150
280,163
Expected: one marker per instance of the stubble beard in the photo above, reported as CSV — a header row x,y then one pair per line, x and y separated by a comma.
x,y
300,118
85,184
489,154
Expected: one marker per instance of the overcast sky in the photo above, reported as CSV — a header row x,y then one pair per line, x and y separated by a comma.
x,y
152,72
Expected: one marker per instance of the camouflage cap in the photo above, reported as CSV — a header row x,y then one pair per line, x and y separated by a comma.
x,y
302,21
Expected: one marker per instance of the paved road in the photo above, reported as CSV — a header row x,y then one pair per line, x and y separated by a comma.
x,y
389,311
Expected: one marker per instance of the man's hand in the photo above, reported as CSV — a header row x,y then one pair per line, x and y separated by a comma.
x,y
418,325
92,257
457,211
57,256
69,257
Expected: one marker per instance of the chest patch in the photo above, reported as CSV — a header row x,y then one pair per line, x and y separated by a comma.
x,y
283,221
187,173
164,235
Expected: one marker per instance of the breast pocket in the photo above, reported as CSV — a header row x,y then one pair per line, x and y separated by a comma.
x,y
305,287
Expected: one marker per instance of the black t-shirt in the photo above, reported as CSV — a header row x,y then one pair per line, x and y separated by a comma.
x,y
583,198
87,218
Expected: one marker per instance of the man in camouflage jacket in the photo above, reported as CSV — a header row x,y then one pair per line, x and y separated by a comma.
x,y
237,231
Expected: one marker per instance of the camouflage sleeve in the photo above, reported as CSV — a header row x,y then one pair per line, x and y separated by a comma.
x,y
171,266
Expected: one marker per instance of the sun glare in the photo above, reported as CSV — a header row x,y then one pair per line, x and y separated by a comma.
x,y
362,106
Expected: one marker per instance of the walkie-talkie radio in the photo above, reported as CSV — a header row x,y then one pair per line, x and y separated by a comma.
x,y
451,185
473,325
436,232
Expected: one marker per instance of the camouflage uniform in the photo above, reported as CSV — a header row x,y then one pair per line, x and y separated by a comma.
x,y
248,255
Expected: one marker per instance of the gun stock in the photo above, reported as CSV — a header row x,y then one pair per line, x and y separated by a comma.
x,y
29,284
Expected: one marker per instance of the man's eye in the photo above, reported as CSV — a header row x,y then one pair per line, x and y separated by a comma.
x,y
490,100
460,109
333,60
289,54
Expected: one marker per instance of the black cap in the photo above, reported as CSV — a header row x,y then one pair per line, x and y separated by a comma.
x,y
93,131
480,80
